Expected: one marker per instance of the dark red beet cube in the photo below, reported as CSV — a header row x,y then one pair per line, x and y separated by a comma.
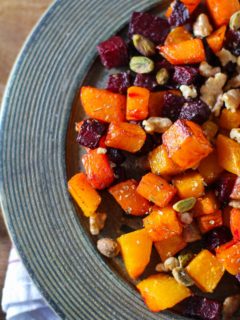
x,y
91,132
119,174
224,187
185,75
180,14
211,58
195,110
217,237
116,156
146,81
232,42
113,52
152,27
119,83
202,308
172,106
147,147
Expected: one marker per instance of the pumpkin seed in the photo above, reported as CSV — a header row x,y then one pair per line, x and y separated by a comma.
x,y
143,45
141,65
182,277
162,76
171,263
185,258
185,204
234,23
160,268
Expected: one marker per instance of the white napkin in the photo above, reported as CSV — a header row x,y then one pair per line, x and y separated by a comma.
x,y
21,299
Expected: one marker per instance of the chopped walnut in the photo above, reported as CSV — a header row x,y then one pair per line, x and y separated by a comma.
x,y
218,105
226,56
202,27
188,91
208,71
97,222
212,88
235,134
233,83
156,124
232,99
186,218
101,150
234,204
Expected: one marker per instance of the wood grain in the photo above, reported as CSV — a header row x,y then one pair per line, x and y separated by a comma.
x,y
17,18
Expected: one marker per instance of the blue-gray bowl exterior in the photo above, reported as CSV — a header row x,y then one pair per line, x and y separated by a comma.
x,y
60,257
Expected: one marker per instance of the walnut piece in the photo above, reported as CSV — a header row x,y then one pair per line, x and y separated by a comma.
x,y
218,105
202,27
232,99
101,150
206,70
225,56
97,222
188,91
233,83
235,134
156,124
234,204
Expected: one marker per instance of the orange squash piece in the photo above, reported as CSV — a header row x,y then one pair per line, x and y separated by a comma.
x,y
98,170
156,102
162,291
229,120
206,271
186,143
209,168
103,105
136,248
125,193
162,224
228,154
222,10
161,163
169,247
228,254
125,136
216,39
190,4
137,103
235,223
189,184
186,52
177,35
156,189
83,193
206,204
210,221
235,195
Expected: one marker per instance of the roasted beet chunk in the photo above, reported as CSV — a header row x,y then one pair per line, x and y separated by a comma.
x,y
224,187
185,75
233,42
91,132
195,110
116,155
180,14
172,106
147,147
119,174
216,237
152,27
146,81
119,83
113,52
202,308
211,58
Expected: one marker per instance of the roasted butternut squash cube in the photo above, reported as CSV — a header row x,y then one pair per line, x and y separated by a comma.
x,y
190,4
229,120
210,221
169,247
156,102
216,39
229,255
186,143
137,103
125,193
161,163
103,105
235,223
162,224
125,136
235,195
83,193
222,10
209,168
136,248
206,204
177,35
162,291
228,154
206,271
156,189
189,184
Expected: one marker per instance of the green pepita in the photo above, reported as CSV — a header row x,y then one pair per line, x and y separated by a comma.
x,y
185,258
185,204
234,23
143,45
182,277
162,76
141,65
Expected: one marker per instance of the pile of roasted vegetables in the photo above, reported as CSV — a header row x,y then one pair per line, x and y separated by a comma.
x,y
175,104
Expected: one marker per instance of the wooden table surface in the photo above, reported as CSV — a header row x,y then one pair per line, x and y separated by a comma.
x,y
17,18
